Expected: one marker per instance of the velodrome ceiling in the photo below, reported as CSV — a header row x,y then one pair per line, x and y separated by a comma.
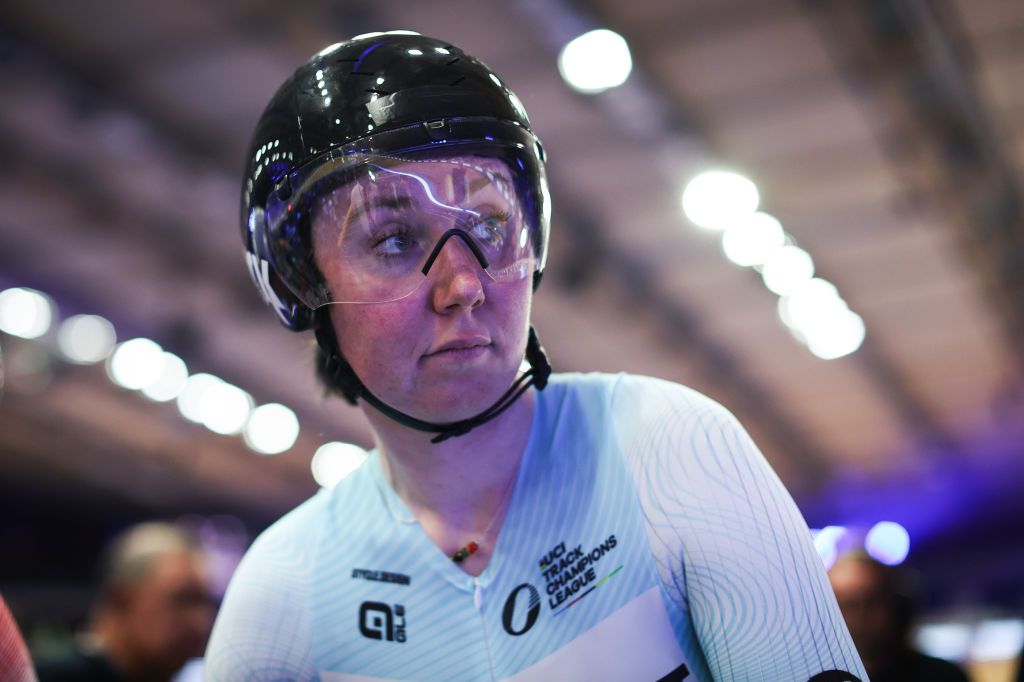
x,y
886,136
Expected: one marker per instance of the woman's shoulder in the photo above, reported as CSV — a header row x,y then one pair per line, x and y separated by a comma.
x,y
629,396
655,419
298,529
262,624
301,524
633,389
289,539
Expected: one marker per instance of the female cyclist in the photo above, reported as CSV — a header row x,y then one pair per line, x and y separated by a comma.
x,y
509,523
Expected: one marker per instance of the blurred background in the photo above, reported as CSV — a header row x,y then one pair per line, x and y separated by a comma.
x,y
866,324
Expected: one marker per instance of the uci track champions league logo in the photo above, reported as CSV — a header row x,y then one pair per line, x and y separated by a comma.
x,y
569,573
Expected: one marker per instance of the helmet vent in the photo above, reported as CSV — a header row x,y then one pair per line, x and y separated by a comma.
x,y
458,80
451,61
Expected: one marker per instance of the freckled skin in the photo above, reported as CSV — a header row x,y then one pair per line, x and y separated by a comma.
x,y
457,488
389,344
385,343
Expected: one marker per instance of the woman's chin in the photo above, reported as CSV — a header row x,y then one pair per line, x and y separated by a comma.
x,y
452,401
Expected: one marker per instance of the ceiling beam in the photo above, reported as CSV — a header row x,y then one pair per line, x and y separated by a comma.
x,y
913,56
682,331
646,92
30,37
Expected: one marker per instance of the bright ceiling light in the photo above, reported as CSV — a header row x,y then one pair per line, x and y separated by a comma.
x,y
225,408
835,336
272,428
820,318
136,364
595,61
25,312
171,382
86,339
752,239
716,200
191,398
809,302
888,542
334,461
786,269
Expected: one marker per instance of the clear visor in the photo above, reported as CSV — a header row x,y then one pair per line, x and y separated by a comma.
x,y
376,238
378,227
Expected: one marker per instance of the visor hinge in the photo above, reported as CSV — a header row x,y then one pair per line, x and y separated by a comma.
x,y
284,189
437,130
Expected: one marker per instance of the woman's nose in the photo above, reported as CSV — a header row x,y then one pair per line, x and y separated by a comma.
x,y
457,278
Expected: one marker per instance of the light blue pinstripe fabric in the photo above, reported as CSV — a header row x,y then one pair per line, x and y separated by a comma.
x,y
656,484
729,542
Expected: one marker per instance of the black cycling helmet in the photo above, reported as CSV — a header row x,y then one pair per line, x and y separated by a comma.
x,y
392,94
382,93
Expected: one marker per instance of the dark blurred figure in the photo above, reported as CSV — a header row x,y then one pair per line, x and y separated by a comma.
x,y
15,664
153,612
879,609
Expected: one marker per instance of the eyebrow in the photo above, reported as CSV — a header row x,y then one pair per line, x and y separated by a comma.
x,y
377,202
403,201
482,181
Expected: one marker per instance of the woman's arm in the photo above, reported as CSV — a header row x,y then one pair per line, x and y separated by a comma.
x,y
731,546
15,664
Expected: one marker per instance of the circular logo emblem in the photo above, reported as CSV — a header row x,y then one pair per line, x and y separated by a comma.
x,y
517,603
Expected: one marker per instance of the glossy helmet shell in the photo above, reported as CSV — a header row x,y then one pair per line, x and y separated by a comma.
x,y
369,93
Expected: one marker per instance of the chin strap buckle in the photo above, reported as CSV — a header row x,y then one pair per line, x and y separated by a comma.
x,y
538,360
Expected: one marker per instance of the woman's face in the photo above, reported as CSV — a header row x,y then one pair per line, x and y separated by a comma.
x,y
444,346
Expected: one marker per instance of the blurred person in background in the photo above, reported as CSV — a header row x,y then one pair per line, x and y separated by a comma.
x,y
152,614
878,605
15,664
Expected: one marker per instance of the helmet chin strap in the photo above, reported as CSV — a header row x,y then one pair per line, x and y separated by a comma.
x,y
345,378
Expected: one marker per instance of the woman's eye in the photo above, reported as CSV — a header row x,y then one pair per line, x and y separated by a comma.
x,y
490,230
395,244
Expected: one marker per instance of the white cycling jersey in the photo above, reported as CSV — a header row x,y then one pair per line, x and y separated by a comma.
x,y
646,539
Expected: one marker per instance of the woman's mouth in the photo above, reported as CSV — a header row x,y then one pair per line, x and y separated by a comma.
x,y
460,349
